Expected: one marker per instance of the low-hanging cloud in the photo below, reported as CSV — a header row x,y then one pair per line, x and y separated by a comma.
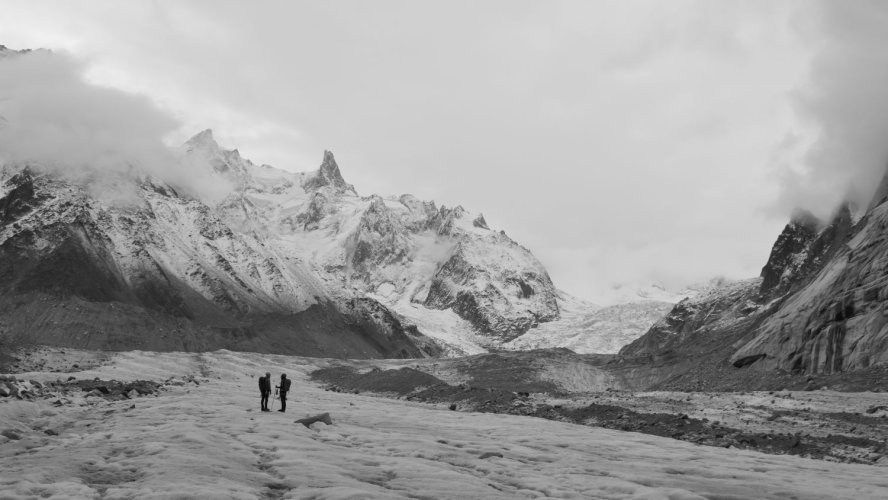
x,y
845,104
54,119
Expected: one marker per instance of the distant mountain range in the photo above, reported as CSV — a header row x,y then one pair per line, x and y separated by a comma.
x,y
224,253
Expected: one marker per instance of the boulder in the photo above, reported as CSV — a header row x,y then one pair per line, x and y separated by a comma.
x,y
323,417
5,391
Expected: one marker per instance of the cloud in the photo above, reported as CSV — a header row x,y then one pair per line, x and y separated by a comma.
x,y
54,119
586,130
840,151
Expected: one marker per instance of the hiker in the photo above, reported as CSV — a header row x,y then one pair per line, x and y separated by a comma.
x,y
265,389
284,388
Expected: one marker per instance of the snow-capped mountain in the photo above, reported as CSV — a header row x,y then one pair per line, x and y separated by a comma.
x,y
124,261
252,243
404,252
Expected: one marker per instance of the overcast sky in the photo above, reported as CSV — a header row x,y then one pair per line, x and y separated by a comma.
x,y
623,142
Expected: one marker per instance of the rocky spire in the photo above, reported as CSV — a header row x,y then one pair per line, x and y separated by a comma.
x,y
328,175
803,248
789,251
480,222
330,170
203,140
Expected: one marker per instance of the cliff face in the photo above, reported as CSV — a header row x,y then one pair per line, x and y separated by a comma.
x,y
837,321
802,249
819,308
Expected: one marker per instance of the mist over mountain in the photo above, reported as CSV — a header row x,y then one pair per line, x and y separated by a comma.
x,y
842,108
96,208
198,237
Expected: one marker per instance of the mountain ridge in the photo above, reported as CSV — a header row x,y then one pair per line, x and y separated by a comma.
x,y
266,243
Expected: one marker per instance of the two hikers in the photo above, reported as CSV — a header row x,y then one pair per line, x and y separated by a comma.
x,y
282,390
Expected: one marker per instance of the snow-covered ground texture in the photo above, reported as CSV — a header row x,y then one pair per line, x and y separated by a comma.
x,y
207,439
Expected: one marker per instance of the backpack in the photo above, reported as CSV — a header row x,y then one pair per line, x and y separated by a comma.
x,y
285,385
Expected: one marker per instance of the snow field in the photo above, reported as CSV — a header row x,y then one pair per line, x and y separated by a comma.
x,y
207,439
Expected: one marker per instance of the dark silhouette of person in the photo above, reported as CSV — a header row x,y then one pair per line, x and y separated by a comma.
x,y
265,390
284,388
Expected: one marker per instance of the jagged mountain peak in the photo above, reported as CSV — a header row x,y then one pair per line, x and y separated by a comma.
x,y
804,245
480,222
203,140
204,147
329,159
328,174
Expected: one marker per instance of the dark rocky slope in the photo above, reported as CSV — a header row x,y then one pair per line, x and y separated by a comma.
x,y
819,312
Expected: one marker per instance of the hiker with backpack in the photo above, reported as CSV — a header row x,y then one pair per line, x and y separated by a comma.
x,y
265,390
283,389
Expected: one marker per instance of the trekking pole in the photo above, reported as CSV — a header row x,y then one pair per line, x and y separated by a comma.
x,y
273,398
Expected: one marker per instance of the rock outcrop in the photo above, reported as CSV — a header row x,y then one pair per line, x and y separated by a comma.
x,y
821,307
790,252
328,174
802,249
838,320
